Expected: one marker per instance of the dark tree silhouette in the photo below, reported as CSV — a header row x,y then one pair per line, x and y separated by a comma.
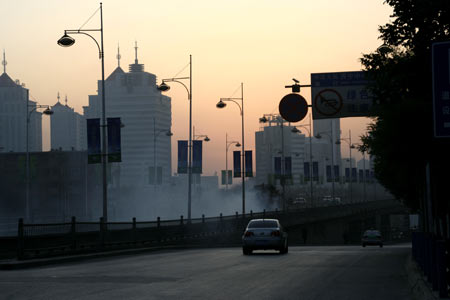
x,y
400,136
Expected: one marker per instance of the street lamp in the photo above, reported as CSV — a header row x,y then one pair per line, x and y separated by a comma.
x,y
163,87
318,136
47,111
155,135
222,104
350,146
279,120
227,145
308,128
362,149
67,41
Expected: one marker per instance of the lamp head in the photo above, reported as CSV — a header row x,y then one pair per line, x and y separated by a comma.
x,y
262,120
207,139
295,130
66,41
48,111
238,144
221,104
163,87
318,136
169,133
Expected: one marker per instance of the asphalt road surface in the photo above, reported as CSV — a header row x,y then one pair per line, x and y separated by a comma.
x,y
332,272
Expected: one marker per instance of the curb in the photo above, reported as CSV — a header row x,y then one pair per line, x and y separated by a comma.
x,y
23,264
420,288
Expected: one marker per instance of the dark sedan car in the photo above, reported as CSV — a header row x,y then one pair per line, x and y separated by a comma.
x,y
264,234
372,237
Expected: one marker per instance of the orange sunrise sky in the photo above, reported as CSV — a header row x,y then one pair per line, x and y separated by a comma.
x,y
263,44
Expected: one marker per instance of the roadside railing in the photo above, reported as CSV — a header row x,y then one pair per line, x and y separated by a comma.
x,y
433,258
44,240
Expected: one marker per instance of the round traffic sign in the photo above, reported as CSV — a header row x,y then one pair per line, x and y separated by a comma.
x,y
328,102
293,107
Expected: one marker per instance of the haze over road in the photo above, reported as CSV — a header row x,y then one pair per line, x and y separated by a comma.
x,y
331,272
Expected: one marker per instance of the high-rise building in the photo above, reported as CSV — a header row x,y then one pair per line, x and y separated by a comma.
x,y
274,144
328,128
146,117
295,150
66,128
15,107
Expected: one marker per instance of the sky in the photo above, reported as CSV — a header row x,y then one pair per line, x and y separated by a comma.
x,y
261,43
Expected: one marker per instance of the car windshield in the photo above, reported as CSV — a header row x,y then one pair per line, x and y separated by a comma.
x,y
372,233
263,224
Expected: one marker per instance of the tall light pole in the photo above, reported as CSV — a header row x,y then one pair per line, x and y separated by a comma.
x,y
279,121
163,87
350,146
67,41
47,111
227,145
332,158
295,130
362,148
222,104
155,135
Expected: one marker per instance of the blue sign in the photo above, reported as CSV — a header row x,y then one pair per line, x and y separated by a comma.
x,y
114,151
182,157
315,170
197,157
441,89
248,163
237,163
277,166
340,95
93,141
306,170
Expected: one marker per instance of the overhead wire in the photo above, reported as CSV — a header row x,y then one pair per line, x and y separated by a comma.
x,y
89,18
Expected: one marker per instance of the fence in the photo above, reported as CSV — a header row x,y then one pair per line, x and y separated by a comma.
x,y
41,240
432,257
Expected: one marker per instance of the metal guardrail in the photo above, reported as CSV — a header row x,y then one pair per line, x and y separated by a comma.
x,y
433,258
40,240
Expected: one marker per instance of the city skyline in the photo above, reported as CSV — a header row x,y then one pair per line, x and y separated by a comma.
x,y
261,44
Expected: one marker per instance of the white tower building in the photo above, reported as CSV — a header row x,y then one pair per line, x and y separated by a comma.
x,y
66,126
146,116
14,109
275,141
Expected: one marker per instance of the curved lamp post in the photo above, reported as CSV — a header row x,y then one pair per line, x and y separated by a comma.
x,y
47,111
280,121
350,146
308,128
319,136
67,41
222,104
362,149
163,87
227,146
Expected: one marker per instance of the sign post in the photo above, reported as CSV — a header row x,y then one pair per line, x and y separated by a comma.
x,y
441,89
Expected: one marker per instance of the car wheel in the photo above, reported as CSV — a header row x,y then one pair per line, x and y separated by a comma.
x,y
246,251
284,249
364,245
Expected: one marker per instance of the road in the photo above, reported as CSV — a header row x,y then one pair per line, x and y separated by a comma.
x,y
327,272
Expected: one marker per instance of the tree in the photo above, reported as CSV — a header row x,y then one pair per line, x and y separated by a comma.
x,y
400,136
